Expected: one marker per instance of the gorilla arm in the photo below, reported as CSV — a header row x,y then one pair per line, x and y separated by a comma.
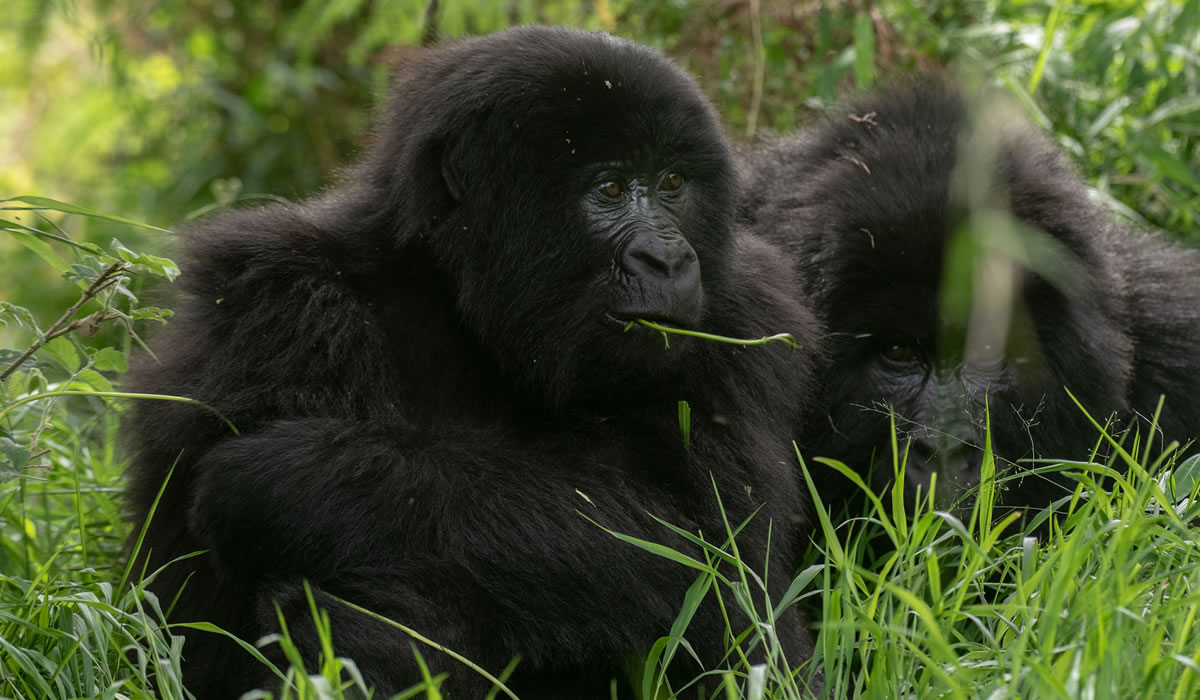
x,y
323,497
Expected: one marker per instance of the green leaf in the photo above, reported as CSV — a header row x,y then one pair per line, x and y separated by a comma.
x,y
86,270
109,360
1169,165
1185,477
94,380
43,250
27,378
36,239
152,313
63,351
159,266
685,423
55,205
13,453
654,548
798,585
1175,107
1106,117
1050,27
23,316
246,646
663,551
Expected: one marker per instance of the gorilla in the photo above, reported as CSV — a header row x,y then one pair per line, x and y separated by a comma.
x,y
967,278
439,398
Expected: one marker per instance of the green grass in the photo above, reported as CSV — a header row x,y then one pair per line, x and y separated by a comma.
x,y
1100,602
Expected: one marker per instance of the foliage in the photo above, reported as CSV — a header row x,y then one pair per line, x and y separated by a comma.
x,y
69,624
84,638
1099,601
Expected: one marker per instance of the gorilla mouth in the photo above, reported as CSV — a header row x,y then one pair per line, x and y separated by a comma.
x,y
628,318
683,312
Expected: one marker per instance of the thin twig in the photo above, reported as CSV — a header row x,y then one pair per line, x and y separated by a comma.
x,y
785,338
64,324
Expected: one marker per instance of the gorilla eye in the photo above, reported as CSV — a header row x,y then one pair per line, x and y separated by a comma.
x,y
898,352
611,188
671,182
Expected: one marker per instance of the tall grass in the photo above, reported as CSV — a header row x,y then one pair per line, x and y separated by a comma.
x,y
1099,601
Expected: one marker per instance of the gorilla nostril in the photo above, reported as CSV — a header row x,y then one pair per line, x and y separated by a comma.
x,y
955,461
655,256
685,262
921,449
646,260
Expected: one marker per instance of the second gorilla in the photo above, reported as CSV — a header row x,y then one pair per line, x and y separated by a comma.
x,y
969,280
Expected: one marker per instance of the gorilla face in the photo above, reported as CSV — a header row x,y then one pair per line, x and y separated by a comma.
x,y
952,358
602,192
963,290
655,273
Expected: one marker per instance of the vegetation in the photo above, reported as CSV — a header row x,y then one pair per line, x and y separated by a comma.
x,y
162,111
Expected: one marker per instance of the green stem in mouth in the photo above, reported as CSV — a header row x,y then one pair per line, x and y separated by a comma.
x,y
786,338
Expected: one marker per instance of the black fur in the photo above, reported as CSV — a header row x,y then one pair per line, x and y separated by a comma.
x,y
868,202
431,375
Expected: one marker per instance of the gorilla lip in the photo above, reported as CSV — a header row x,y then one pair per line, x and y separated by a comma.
x,y
627,318
786,338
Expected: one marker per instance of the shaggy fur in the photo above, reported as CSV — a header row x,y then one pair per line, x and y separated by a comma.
x,y
435,389
868,204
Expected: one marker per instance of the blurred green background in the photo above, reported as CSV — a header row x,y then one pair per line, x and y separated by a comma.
x,y
160,110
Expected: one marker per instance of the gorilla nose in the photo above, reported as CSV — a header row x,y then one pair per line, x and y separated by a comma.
x,y
956,463
665,273
654,256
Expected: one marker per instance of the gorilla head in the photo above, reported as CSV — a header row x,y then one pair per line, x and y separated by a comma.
x,y
546,170
966,278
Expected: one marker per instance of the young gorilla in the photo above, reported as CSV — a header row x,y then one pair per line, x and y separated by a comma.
x,y
434,388
871,202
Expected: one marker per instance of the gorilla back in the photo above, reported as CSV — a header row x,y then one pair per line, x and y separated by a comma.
x,y
431,375
877,207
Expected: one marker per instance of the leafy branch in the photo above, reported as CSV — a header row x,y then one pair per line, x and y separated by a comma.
x,y
111,275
